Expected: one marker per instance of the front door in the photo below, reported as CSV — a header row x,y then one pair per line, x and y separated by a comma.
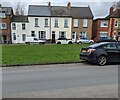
x,y
53,37
74,36
5,39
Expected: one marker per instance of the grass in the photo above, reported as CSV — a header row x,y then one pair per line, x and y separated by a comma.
x,y
33,54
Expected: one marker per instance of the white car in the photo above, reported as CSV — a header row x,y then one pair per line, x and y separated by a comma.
x,y
84,40
33,40
64,41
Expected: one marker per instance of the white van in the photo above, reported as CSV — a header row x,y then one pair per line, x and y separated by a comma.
x,y
33,40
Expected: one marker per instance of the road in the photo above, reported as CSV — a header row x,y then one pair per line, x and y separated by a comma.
x,y
79,80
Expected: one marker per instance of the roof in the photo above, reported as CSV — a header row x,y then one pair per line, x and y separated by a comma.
x,y
20,18
115,14
75,12
81,12
38,10
8,10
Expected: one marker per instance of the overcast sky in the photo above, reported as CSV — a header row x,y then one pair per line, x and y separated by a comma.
x,y
100,8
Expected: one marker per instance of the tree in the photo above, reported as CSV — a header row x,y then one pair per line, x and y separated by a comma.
x,y
20,9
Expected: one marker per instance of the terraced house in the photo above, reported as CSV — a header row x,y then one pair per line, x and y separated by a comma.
x,y
6,14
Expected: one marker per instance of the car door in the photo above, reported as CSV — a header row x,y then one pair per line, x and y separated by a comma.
x,y
112,52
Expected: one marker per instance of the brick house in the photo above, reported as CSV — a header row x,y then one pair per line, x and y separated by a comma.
x,y
6,14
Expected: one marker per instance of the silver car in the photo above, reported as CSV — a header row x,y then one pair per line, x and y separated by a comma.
x,y
84,40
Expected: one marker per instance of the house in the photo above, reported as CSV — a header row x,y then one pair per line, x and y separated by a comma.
x,y
82,19
19,28
100,28
114,17
6,13
39,21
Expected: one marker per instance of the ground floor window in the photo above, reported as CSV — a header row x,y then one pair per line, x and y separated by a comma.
x,y
14,36
103,34
83,34
42,34
23,37
33,33
62,34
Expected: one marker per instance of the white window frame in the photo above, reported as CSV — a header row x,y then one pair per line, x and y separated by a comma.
x,y
46,22
83,34
13,26
14,37
65,23
42,34
85,23
1,26
2,14
36,22
116,23
23,26
75,22
104,24
24,37
56,23
103,34
62,34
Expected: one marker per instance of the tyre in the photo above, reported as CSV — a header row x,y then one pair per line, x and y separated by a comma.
x,y
58,42
80,42
91,43
70,42
102,60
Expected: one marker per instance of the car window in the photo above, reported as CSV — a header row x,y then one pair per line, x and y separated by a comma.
x,y
110,46
118,46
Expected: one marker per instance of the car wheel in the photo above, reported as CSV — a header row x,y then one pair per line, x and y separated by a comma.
x,y
70,42
80,42
58,42
91,43
102,60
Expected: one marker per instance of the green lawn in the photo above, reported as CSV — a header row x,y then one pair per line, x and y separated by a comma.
x,y
34,54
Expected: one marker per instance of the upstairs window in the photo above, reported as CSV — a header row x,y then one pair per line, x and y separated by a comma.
x,y
85,23
23,26
13,26
36,22
2,14
116,23
56,22
75,23
65,23
33,33
46,22
3,26
103,24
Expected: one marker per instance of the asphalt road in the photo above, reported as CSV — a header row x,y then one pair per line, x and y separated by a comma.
x,y
80,80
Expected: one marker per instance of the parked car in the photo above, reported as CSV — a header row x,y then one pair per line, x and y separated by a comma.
x,y
64,41
101,53
84,40
105,39
33,40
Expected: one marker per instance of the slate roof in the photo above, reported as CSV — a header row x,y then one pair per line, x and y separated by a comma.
x,y
20,18
62,11
38,10
115,14
7,10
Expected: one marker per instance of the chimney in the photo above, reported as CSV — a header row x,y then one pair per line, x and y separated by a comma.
x,y
69,5
111,10
49,4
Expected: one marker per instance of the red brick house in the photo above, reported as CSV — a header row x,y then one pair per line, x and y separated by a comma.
x,y
6,14
100,28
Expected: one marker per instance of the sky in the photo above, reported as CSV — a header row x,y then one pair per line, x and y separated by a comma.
x,y
99,8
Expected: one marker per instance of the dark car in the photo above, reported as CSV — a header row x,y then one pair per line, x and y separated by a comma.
x,y
101,53
105,39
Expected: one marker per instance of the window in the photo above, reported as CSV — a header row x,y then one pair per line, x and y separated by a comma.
x,y
85,23
116,23
103,34
23,26
23,37
3,26
83,34
14,36
56,22
103,24
13,26
46,22
75,23
33,33
2,14
62,34
36,22
42,35
65,23
110,46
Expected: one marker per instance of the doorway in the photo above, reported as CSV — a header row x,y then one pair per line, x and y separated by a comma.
x,y
5,39
53,36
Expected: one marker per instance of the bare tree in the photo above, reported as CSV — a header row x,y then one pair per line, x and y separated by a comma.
x,y
20,9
